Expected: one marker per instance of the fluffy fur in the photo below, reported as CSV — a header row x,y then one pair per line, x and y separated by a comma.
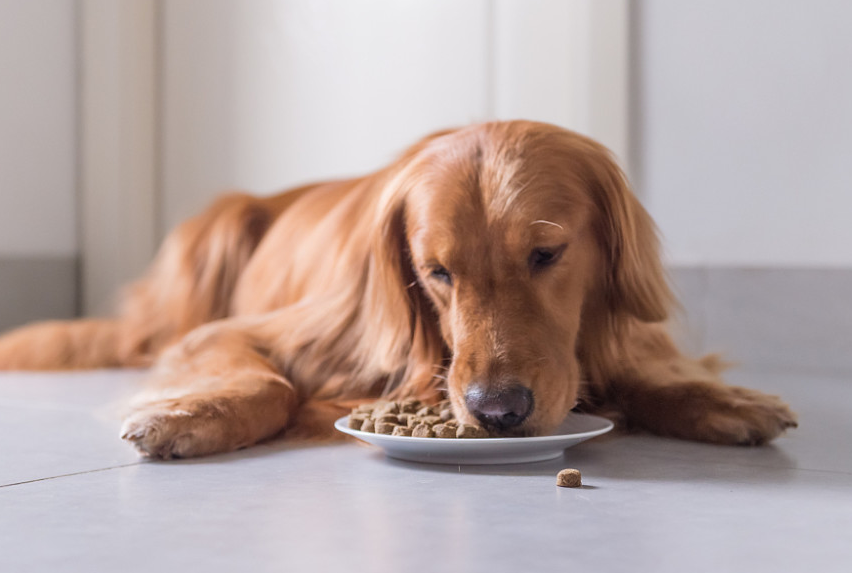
x,y
270,314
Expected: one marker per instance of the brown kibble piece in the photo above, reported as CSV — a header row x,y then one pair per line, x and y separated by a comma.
x,y
568,478
409,406
385,427
422,431
444,431
410,417
470,431
385,408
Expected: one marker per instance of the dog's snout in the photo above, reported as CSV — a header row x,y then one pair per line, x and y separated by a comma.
x,y
499,406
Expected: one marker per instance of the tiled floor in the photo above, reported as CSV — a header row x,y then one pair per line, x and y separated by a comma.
x,y
74,498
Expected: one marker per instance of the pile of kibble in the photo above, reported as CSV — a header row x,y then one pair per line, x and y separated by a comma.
x,y
412,418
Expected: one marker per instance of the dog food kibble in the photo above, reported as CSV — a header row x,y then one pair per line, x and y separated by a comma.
x,y
568,478
422,431
412,418
385,427
409,406
444,431
470,431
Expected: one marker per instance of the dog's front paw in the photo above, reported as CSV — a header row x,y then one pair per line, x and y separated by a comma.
x,y
740,416
167,430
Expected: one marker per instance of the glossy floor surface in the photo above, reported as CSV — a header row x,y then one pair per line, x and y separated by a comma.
x,y
73,497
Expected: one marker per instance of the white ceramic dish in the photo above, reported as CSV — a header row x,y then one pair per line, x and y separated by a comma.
x,y
575,429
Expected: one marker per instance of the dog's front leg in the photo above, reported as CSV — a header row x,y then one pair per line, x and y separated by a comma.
x,y
657,388
215,391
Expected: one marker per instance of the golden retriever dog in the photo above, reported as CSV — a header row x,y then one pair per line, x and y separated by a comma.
x,y
507,264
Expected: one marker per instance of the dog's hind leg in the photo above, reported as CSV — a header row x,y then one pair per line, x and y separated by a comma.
x,y
64,345
190,282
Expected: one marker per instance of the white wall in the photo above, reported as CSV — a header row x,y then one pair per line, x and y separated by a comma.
x,y
744,114
265,94
37,128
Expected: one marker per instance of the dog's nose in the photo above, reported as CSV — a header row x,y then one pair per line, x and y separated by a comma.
x,y
501,407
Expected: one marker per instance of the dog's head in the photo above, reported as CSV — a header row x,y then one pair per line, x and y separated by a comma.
x,y
516,242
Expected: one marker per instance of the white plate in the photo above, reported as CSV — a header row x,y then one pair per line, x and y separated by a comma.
x,y
575,429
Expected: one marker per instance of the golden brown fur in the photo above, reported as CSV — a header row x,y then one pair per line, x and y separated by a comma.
x,y
502,254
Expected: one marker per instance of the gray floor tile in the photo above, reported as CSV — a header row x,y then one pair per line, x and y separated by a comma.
x,y
36,443
327,508
649,504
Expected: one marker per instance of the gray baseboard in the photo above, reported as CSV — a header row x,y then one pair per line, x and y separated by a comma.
x,y
37,288
771,319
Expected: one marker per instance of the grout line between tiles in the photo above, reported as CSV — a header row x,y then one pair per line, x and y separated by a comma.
x,y
73,474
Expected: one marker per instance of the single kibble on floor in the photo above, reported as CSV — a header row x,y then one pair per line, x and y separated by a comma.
x,y
368,426
401,431
446,415
444,431
422,431
568,478
385,428
470,431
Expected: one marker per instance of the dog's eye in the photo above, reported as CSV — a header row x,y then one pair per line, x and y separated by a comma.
x,y
545,256
441,274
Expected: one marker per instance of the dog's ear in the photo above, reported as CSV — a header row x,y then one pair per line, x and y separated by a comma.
x,y
399,325
634,282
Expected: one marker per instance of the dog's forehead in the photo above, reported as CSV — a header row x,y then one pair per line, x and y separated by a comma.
x,y
513,199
